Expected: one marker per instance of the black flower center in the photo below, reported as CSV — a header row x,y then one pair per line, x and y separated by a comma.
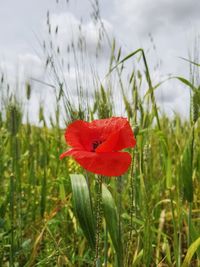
x,y
95,144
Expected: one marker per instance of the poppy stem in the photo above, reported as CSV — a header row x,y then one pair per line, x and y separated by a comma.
x,y
97,262
119,190
106,246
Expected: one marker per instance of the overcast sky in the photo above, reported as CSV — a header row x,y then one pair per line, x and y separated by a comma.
x,y
166,29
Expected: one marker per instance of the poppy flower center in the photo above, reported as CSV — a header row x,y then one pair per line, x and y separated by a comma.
x,y
95,144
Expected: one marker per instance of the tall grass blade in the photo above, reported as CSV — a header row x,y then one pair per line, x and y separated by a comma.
x,y
192,249
191,62
111,217
83,207
187,171
186,82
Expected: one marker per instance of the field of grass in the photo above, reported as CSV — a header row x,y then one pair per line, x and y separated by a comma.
x,y
155,206
149,217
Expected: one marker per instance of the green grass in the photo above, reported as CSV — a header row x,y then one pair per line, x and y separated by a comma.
x,y
158,199
148,217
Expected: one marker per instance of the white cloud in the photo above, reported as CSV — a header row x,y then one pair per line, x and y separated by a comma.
x,y
71,29
150,16
30,65
173,25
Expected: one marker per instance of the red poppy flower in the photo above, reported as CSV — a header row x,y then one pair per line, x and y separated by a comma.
x,y
97,145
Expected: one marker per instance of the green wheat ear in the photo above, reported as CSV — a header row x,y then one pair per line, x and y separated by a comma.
x,y
28,90
195,106
13,117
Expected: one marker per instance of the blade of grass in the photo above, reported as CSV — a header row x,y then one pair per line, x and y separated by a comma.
x,y
191,250
83,207
111,217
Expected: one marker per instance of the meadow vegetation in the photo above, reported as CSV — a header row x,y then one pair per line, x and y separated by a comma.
x,y
150,215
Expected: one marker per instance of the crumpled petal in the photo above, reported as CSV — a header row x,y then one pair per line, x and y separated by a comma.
x,y
120,135
78,134
107,164
67,153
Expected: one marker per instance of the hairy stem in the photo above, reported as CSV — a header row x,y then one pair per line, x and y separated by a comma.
x,y
97,261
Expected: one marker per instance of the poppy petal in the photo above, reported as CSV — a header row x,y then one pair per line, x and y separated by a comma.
x,y
79,135
107,164
66,153
120,135
106,127
110,144
126,137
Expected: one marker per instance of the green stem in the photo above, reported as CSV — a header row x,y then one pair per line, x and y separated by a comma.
x,y
151,89
176,245
189,223
190,203
106,247
12,219
119,189
97,260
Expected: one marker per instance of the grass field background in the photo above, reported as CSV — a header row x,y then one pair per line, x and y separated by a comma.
x,y
150,216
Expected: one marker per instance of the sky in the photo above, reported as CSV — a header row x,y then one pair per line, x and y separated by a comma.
x,y
165,29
